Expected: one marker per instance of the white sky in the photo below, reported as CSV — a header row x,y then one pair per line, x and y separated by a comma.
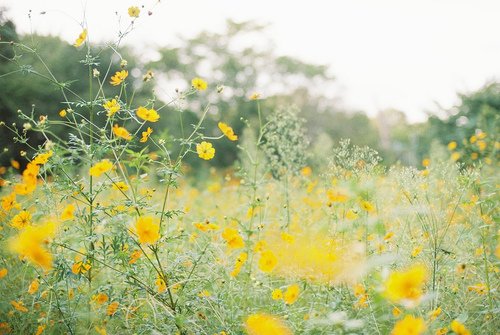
x,y
403,54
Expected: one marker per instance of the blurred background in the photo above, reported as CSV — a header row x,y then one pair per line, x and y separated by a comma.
x,y
394,75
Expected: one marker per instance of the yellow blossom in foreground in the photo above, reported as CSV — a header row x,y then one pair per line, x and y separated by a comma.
x,y
267,261
68,212
161,286
31,241
121,132
112,107
205,150
147,230
199,84
264,324
134,11
21,220
291,294
33,288
81,38
147,114
242,258
100,167
227,131
112,308
3,272
119,77
459,328
233,238
120,185
277,294
409,325
406,286
145,135
435,313
19,306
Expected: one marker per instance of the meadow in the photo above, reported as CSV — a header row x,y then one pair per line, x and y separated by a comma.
x,y
108,231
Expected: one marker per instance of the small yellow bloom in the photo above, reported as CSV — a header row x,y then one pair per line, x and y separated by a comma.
x,y
112,107
118,77
206,226
148,114
351,215
455,156
228,131
435,313
161,286
267,261
134,11
254,96
19,306
121,132
40,329
277,294
145,135
264,324
33,288
406,285
100,167
120,185
205,150
416,251
452,145
3,272
291,294
101,298
63,113
81,38
147,230
367,206
442,331
409,325
199,84
233,238
112,308
68,212
459,328
242,258
426,162
396,312
21,220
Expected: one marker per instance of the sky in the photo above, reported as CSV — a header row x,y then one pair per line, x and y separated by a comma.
x,y
410,55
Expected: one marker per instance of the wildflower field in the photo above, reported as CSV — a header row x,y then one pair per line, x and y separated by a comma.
x,y
107,230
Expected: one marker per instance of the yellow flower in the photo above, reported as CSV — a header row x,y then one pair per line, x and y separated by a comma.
x,y
267,261
147,230
206,226
396,312
441,331
112,308
31,242
242,258
80,267
233,238
147,114
416,251
3,272
33,288
277,294
367,206
351,215
478,288
21,220
435,313
161,286
291,294
63,113
135,256
121,132
264,324
134,11
101,298
100,167
40,329
100,330
205,150
452,145
146,134
119,77
19,306
426,162
402,286
68,212
120,186
254,96
459,328
336,196
112,106
81,38
409,325
9,202
199,84
41,159
228,131
455,156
